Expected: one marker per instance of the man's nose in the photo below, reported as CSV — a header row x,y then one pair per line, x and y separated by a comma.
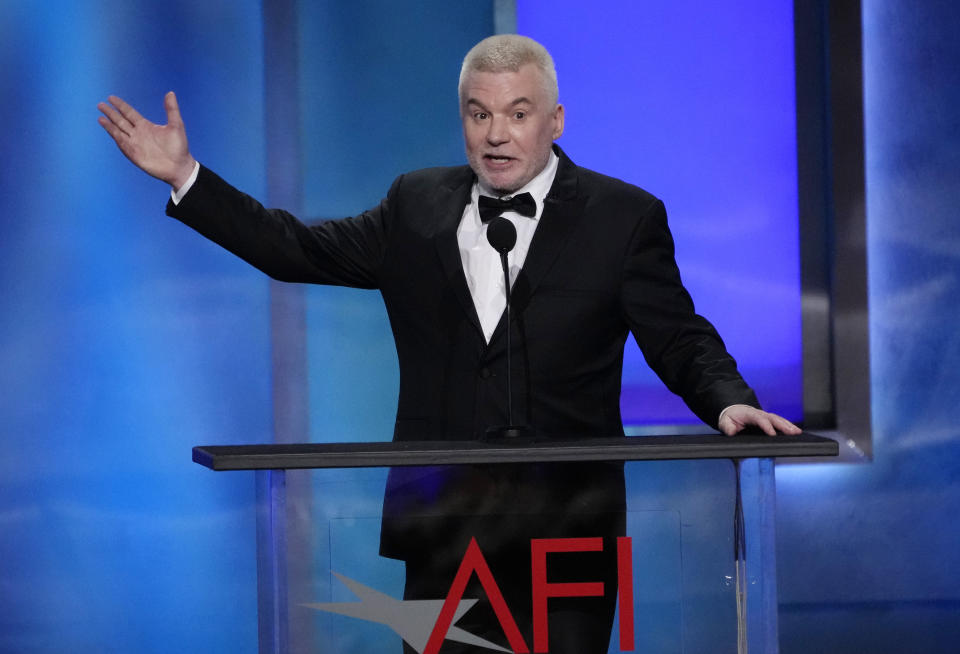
x,y
497,132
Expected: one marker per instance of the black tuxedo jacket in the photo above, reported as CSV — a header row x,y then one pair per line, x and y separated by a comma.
x,y
601,265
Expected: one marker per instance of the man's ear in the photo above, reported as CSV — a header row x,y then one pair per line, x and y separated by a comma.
x,y
557,122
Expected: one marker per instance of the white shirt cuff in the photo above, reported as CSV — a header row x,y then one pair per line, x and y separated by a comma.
x,y
177,194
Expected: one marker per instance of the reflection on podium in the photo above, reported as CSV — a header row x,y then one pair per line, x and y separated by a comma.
x,y
689,566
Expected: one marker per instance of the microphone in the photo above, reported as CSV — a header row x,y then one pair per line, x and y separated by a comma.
x,y
502,236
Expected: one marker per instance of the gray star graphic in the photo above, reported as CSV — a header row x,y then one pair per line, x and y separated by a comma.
x,y
412,620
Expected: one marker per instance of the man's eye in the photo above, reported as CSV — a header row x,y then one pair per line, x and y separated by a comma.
x,y
480,115
520,115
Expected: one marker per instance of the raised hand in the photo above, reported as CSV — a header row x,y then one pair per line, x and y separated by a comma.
x,y
740,416
158,150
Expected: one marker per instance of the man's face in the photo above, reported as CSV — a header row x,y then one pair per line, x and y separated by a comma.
x,y
509,125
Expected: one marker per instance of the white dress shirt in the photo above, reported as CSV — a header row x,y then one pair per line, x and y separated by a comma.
x,y
481,263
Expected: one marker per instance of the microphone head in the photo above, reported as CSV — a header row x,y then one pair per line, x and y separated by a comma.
x,y
502,234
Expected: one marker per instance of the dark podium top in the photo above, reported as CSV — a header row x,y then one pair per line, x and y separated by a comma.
x,y
426,453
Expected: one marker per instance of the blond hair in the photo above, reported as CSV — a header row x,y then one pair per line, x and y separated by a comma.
x,y
509,52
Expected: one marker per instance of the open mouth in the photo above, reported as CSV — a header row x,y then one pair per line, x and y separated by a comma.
x,y
497,159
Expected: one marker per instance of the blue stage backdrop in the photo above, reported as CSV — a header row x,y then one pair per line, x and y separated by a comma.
x,y
694,102
125,339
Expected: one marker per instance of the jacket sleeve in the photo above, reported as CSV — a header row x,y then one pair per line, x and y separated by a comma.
x,y
682,347
347,252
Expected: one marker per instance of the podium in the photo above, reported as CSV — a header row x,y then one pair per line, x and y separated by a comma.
x,y
696,570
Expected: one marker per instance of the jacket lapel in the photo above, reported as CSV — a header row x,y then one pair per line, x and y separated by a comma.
x,y
452,198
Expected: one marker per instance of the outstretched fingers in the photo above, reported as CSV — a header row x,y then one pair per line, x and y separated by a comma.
x,y
113,121
158,150
115,132
129,114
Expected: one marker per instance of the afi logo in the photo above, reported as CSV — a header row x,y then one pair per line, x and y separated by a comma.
x,y
425,624
473,562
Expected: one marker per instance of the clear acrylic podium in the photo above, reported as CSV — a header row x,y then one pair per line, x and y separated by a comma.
x,y
696,571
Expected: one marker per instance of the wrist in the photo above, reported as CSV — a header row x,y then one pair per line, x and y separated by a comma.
x,y
183,173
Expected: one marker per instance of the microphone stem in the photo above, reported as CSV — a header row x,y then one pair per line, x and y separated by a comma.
x,y
506,286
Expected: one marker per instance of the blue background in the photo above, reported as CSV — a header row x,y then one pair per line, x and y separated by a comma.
x,y
125,339
695,102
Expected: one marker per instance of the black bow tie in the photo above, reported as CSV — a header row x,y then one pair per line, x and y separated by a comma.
x,y
490,208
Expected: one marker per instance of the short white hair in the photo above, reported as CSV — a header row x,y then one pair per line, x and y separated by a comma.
x,y
509,52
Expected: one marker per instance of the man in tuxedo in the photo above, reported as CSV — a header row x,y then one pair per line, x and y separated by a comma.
x,y
593,262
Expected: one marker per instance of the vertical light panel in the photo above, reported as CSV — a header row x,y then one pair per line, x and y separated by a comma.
x,y
695,103
869,556
378,98
125,338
